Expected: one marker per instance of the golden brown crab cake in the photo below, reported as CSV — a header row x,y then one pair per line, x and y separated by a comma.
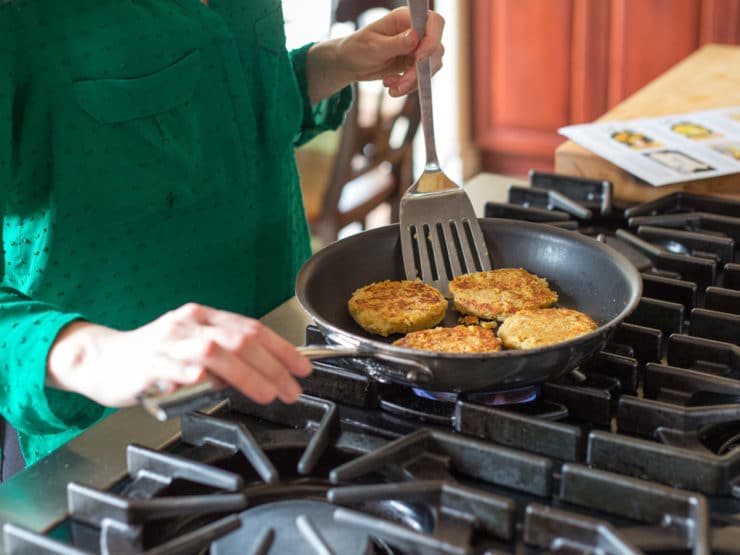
x,y
528,329
497,294
460,339
388,307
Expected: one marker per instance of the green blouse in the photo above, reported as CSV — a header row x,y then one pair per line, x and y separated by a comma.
x,y
146,160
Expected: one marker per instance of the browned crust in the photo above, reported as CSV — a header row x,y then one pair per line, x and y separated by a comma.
x,y
528,329
497,294
389,307
460,339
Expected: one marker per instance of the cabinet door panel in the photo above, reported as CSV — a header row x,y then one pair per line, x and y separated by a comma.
x,y
646,38
542,64
522,70
720,21
589,50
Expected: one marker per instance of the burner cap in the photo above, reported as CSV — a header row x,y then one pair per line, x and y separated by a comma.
x,y
281,516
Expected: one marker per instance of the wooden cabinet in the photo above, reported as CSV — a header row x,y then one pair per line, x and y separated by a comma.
x,y
541,64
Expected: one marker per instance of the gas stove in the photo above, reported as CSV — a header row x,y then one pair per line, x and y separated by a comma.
x,y
637,451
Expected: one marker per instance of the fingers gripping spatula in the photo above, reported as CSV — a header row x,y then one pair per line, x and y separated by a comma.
x,y
440,234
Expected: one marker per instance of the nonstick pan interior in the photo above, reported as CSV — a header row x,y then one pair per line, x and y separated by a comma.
x,y
587,275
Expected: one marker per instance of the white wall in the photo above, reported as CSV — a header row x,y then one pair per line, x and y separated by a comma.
x,y
308,20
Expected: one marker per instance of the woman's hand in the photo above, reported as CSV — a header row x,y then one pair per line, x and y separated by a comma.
x,y
112,367
387,49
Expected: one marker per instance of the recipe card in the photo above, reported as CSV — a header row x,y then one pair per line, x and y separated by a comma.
x,y
667,149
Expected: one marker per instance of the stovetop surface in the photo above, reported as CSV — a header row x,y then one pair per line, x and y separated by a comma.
x,y
395,483
636,451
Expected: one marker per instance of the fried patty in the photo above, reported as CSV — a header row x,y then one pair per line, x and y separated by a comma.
x,y
528,329
497,294
388,307
460,339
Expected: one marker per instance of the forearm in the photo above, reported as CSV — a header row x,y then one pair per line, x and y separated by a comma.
x,y
325,72
29,328
73,346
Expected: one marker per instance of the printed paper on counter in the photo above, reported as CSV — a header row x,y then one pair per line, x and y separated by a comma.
x,y
667,149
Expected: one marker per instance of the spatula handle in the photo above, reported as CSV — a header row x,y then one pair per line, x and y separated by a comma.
x,y
419,14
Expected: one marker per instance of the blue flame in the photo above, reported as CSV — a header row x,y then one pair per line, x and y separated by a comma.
x,y
488,398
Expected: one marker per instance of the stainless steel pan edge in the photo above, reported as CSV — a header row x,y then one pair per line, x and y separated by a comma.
x,y
471,372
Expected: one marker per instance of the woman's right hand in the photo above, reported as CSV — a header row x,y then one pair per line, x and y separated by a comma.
x,y
112,367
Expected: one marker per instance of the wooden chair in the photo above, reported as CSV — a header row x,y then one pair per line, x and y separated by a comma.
x,y
373,161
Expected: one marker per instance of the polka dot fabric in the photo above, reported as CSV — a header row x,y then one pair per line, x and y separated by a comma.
x,y
146,160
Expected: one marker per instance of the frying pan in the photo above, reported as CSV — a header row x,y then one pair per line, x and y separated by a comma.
x,y
588,276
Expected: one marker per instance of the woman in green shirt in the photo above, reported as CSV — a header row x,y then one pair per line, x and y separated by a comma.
x,y
149,196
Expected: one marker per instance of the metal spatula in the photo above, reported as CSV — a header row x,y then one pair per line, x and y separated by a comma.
x,y
440,234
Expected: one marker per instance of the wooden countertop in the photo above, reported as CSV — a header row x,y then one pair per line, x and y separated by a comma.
x,y
707,79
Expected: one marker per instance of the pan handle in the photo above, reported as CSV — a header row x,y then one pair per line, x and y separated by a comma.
x,y
163,404
405,370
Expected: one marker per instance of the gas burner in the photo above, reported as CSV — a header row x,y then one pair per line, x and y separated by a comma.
x,y
420,404
443,396
463,411
486,398
289,526
721,438
503,398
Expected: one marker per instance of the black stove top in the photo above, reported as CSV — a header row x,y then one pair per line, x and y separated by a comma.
x,y
637,451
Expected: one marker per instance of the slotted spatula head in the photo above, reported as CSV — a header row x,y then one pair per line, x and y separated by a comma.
x,y
440,234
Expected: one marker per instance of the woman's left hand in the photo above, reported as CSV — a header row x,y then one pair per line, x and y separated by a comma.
x,y
387,49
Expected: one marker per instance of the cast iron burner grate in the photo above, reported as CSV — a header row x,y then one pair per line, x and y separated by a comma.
x,y
267,479
636,452
231,486
219,492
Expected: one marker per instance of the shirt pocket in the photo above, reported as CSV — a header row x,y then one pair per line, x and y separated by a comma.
x,y
120,100
142,152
